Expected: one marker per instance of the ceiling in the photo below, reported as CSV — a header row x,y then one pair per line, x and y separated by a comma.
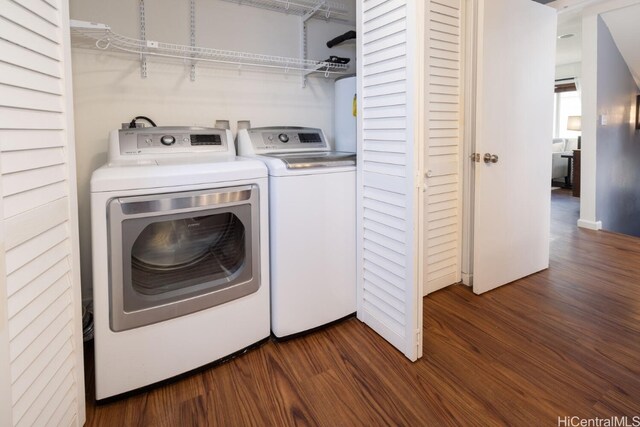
x,y
569,50
623,25
624,28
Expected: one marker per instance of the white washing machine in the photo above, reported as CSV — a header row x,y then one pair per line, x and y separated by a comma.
x,y
180,255
312,211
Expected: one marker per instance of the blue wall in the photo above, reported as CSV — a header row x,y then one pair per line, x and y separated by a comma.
x,y
618,142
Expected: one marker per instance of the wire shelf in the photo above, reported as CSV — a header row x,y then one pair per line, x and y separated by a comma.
x,y
322,9
89,34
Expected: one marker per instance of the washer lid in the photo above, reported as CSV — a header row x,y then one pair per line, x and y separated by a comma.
x,y
316,159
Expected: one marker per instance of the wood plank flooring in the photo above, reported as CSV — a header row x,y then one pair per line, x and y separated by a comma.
x,y
562,342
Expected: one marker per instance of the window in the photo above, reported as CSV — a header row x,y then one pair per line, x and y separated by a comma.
x,y
566,104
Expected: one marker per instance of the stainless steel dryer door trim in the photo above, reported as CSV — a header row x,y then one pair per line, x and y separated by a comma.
x,y
181,205
199,199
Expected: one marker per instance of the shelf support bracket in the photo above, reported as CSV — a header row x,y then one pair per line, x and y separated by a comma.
x,y
192,27
143,37
303,36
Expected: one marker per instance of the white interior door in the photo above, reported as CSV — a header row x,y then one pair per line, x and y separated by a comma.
x,y
514,118
389,193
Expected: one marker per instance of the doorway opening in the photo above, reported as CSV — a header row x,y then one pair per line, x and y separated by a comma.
x,y
567,121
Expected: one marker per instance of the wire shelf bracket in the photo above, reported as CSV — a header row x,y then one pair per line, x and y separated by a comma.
x,y
192,38
143,37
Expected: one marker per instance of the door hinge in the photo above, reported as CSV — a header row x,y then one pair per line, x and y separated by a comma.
x,y
475,157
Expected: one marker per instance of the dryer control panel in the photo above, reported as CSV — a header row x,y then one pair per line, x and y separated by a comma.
x,y
159,142
283,139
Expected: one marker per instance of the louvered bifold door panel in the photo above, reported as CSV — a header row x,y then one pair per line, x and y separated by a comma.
x,y
39,239
386,172
442,231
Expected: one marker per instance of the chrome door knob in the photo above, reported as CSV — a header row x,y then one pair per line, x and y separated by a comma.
x,y
490,158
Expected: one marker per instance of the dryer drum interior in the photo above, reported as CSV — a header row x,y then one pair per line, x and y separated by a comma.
x,y
167,253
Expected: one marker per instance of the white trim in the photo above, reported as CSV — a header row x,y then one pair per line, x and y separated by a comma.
x,y
467,279
596,7
419,145
571,5
413,295
359,169
463,158
468,79
588,157
556,116
74,236
590,225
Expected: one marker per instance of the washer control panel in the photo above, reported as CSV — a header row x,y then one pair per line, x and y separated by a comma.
x,y
287,139
166,140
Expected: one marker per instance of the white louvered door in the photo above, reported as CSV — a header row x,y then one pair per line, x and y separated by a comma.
x,y
41,365
389,215
443,210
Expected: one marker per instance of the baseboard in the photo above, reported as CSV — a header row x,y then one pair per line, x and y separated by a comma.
x,y
466,279
590,225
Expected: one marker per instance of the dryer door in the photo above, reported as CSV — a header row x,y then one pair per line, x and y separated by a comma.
x,y
174,254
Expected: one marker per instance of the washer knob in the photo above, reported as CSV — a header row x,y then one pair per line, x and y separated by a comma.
x,y
283,137
167,140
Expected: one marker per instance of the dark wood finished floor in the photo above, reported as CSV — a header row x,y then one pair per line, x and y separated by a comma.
x,y
562,342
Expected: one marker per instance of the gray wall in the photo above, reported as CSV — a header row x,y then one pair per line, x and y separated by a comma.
x,y
618,142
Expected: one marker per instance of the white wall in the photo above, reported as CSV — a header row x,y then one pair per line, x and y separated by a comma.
x,y
108,89
567,71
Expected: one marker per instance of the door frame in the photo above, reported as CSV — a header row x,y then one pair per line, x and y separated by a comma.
x,y
470,8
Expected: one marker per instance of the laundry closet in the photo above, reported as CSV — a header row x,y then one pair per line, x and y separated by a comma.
x,y
431,144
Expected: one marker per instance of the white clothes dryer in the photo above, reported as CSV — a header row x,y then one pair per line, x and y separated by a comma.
x,y
312,211
180,255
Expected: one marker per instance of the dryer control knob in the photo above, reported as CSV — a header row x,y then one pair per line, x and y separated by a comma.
x,y
283,137
167,140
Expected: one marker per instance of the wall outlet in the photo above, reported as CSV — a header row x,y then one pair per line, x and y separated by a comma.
x,y
126,125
